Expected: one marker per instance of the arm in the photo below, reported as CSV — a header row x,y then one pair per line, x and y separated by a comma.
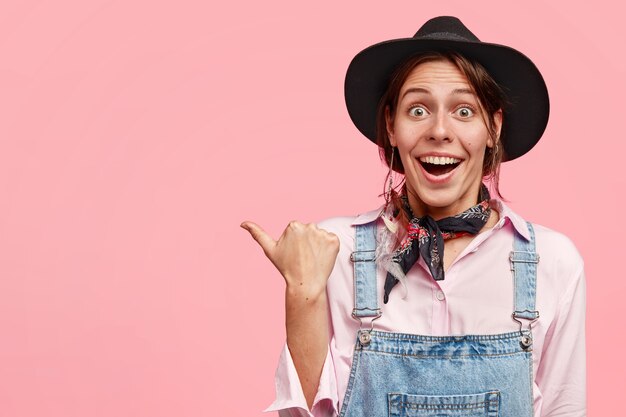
x,y
307,334
305,255
561,376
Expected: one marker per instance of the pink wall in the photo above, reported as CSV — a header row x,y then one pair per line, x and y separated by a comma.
x,y
136,135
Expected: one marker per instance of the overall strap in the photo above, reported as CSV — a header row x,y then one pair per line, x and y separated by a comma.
x,y
363,257
524,259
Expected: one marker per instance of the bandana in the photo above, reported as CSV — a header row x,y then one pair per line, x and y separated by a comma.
x,y
425,237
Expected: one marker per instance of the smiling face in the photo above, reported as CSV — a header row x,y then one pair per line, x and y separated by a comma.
x,y
439,129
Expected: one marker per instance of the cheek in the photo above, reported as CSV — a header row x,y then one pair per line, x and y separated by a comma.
x,y
476,141
406,159
406,136
408,163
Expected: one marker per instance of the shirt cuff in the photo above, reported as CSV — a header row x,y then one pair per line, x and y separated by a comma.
x,y
290,399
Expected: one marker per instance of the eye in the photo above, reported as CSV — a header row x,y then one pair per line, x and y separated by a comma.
x,y
465,111
417,111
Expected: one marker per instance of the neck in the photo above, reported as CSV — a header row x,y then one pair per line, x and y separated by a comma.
x,y
421,209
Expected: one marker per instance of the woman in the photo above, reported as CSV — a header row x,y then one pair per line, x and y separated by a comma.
x,y
488,319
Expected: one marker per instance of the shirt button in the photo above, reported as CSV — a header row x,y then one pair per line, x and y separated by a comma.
x,y
440,295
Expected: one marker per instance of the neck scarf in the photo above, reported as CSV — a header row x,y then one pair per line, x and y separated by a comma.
x,y
426,236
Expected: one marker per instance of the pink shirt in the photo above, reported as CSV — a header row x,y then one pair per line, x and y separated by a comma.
x,y
476,297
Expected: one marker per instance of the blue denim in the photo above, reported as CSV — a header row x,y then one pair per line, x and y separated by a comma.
x,y
398,374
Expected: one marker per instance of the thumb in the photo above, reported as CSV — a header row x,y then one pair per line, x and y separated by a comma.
x,y
263,239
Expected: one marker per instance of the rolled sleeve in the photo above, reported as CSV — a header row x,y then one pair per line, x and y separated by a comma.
x,y
290,400
561,376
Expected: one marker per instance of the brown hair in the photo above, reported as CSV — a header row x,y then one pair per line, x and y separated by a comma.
x,y
489,94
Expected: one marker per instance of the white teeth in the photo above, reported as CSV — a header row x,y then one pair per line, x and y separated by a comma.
x,y
439,160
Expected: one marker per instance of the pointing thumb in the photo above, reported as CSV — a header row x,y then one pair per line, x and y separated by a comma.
x,y
258,234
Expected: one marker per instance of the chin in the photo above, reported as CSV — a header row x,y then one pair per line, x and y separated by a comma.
x,y
439,199
445,197
435,197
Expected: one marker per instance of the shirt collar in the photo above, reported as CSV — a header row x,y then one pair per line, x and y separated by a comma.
x,y
505,213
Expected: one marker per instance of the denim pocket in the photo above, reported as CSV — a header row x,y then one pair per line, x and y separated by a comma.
x,y
486,404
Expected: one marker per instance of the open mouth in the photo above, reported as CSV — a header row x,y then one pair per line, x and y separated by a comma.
x,y
439,165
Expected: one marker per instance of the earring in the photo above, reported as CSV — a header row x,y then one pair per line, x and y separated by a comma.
x,y
390,177
494,157
387,212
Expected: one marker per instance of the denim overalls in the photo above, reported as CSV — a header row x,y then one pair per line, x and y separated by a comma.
x,y
398,374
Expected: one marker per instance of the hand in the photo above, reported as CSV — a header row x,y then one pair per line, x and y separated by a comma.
x,y
304,254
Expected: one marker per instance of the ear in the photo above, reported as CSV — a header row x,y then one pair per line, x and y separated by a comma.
x,y
497,120
389,126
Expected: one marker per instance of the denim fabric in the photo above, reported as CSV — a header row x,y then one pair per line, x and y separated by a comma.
x,y
365,297
398,374
524,266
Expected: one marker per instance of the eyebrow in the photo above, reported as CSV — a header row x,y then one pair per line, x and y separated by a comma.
x,y
425,91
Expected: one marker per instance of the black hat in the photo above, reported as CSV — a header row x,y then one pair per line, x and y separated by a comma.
x,y
524,120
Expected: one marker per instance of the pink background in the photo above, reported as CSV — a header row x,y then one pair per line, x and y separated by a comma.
x,y
137,135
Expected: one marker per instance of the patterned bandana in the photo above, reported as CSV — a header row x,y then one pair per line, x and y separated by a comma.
x,y
425,236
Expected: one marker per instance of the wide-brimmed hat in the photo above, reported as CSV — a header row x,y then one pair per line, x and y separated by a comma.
x,y
525,118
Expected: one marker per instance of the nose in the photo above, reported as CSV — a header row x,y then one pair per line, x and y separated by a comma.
x,y
440,129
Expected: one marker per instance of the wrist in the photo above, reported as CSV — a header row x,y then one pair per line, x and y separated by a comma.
x,y
305,292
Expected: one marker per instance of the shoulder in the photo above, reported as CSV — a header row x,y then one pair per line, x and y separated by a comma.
x,y
338,225
343,226
559,258
558,252
552,246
